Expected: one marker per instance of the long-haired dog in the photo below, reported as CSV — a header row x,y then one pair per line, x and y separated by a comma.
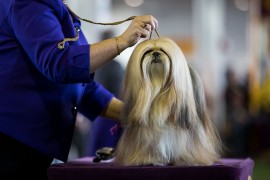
x,y
164,119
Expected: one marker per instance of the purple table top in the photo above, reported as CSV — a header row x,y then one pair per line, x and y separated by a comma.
x,y
84,168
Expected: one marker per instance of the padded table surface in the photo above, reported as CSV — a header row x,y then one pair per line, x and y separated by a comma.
x,y
84,168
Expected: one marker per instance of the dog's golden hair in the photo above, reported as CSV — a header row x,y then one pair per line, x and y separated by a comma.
x,y
165,118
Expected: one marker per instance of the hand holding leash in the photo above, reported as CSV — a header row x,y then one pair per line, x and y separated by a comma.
x,y
140,27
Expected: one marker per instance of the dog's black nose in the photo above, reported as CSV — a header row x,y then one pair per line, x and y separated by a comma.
x,y
156,57
156,54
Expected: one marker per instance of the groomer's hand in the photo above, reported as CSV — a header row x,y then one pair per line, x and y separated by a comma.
x,y
140,27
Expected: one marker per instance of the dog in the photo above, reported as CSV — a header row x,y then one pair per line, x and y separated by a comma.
x,y
165,119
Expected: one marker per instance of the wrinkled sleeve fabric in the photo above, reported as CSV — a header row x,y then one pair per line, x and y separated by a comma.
x,y
38,28
96,98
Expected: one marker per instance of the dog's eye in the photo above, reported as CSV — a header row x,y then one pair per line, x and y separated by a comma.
x,y
146,52
162,50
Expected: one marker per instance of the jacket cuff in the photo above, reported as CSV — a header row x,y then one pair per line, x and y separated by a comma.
x,y
95,100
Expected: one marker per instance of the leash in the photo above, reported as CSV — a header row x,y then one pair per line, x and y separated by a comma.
x,y
99,23
61,44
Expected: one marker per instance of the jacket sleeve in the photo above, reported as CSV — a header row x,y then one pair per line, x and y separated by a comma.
x,y
95,99
39,28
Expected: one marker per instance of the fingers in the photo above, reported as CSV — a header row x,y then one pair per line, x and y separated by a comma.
x,y
148,27
140,27
142,33
148,19
146,24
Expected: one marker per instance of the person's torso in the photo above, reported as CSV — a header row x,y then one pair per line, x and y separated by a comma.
x,y
34,109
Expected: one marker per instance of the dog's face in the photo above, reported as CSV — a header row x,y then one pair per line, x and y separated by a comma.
x,y
164,117
157,78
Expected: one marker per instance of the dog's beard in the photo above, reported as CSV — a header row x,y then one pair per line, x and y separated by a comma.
x,y
165,118
156,66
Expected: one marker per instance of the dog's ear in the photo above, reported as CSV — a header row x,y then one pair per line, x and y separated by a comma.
x,y
199,95
202,109
197,111
184,120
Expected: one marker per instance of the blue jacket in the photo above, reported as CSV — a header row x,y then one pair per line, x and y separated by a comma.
x,y
42,87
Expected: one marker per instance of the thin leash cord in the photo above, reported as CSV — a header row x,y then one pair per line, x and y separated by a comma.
x,y
61,45
99,23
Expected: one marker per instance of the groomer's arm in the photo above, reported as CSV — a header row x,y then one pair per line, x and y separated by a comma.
x,y
113,110
104,51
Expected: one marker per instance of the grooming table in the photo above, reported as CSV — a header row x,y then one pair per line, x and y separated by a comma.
x,y
85,169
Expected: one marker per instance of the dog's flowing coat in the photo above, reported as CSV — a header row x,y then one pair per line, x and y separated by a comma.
x,y
164,119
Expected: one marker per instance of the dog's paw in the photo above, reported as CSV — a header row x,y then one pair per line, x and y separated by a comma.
x,y
155,164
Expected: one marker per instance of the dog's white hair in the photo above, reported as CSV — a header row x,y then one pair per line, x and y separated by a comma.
x,y
165,118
